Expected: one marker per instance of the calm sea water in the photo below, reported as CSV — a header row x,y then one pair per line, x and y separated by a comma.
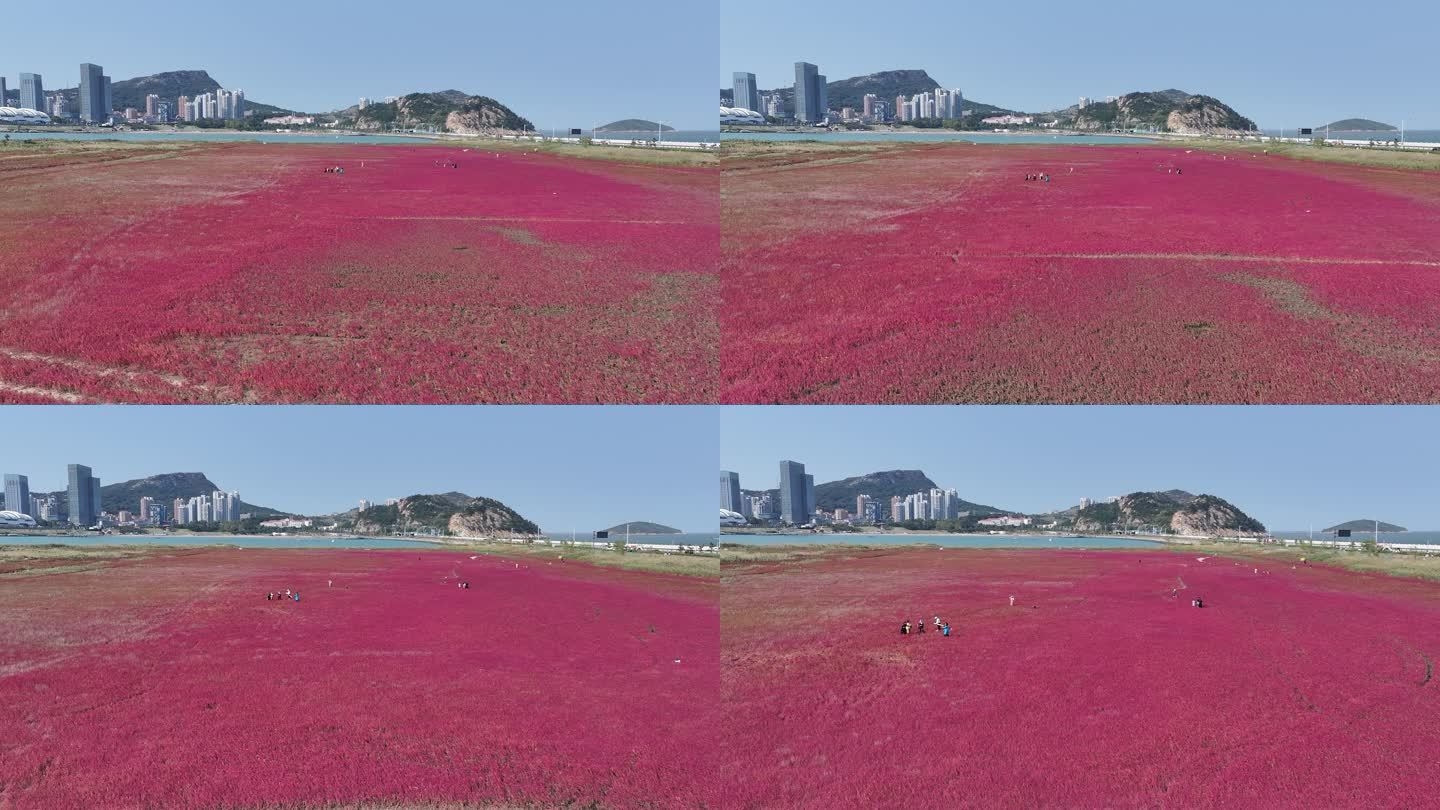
x,y
926,137
250,541
1417,537
955,540
1411,135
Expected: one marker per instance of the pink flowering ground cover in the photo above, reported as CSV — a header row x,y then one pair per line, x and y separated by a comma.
x,y
1136,275
1300,688
170,681
246,273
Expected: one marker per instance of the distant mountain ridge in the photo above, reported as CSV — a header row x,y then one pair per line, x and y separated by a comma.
x,y
169,86
1170,110
882,486
885,84
165,488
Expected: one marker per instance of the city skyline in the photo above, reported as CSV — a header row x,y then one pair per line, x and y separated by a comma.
x,y
1288,467
996,54
566,468
652,66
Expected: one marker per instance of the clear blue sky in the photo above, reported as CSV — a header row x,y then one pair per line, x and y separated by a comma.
x,y
563,467
1281,64
1286,466
557,63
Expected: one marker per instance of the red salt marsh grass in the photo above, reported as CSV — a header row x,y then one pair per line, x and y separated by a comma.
x,y
246,273
1290,688
171,681
939,274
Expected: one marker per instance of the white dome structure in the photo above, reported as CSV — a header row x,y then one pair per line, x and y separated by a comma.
x,y
15,520
22,115
739,115
728,518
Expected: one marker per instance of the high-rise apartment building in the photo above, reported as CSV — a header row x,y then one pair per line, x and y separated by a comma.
x,y
747,97
4,93
807,93
32,91
82,495
92,93
730,491
17,494
793,506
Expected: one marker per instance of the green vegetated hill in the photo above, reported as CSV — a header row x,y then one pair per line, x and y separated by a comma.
x,y
165,488
642,527
1366,526
169,86
453,513
635,125
1358,125
445,111
1166,110
1174,511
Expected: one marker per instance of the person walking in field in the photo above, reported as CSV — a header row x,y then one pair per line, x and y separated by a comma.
x,y
945,629
1012,600
921,625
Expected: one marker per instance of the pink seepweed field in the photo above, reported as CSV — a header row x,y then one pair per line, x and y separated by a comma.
x,y
1304,687
171,681
248,273
1146,274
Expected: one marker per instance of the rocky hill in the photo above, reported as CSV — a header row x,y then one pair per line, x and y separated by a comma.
x,y
1174,511
165,488
445,111
1366,526
169,86
642,527
1167,110
453,513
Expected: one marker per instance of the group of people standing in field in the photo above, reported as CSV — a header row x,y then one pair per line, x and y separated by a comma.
x,y
288,594
1045,176
941,627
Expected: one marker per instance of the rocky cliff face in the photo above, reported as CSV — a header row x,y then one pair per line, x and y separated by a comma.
x,y
484,524
1209,516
